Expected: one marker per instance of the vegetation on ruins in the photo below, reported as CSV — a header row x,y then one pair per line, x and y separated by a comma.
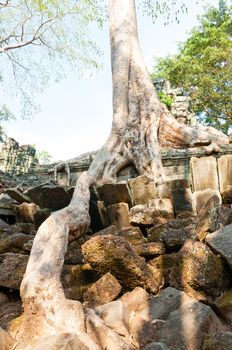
x,y
141,126
203,67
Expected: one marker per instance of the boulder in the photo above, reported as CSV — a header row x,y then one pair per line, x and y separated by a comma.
x,y
154,233
162,210
13,243
115,193
6,205
218,341
76,280
133,300
174,239
115,316
3,298
195,269
202,197
49,196
105,337
227,195
119,215
65,341
40,216
133,235
225,216
12,268
110,230
141,215
105,290
24,227
186,327
74,255
223,305
156,346
221,242
142,332
25,212
208,217
16,194
8,312
142,190
150,249
115,254
202,271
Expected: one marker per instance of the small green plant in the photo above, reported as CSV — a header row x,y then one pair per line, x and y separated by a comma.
x,y
166,99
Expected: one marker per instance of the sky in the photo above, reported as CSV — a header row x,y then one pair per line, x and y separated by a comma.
x,y
75,114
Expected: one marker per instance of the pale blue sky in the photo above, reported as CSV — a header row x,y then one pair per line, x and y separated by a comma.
x,y
75,115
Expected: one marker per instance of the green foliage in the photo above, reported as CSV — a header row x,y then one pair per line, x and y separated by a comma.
x,y
203,67
169,10
43,157
40,40
167,100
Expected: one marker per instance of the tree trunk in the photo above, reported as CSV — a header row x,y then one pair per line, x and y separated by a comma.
x,y
140,123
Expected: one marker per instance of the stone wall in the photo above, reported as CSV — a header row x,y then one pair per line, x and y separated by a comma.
x,y
202,171
181,106
15,159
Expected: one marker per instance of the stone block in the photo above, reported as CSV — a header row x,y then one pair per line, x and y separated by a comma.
x,y
133,235
225,172
110,230
227,196
208,217
224,306
115,316
202,197
162,210
114,193
150,249
49,196
142,190
187,326
183,201
141,215
218,341
134,299
156,346
99,216
204,173
105,290
225,216
221,242
25,212
17,195
12,268
175,238
115,254
119,215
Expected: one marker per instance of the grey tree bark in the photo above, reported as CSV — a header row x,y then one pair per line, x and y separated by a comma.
x,y
141,125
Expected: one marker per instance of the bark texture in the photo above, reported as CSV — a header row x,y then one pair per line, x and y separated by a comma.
x,y
140,123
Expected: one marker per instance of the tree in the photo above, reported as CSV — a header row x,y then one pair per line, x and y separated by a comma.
x,y
141,124
39,42
203,67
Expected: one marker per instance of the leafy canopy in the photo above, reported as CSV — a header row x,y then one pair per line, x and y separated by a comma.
x,y
203,67
43,39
